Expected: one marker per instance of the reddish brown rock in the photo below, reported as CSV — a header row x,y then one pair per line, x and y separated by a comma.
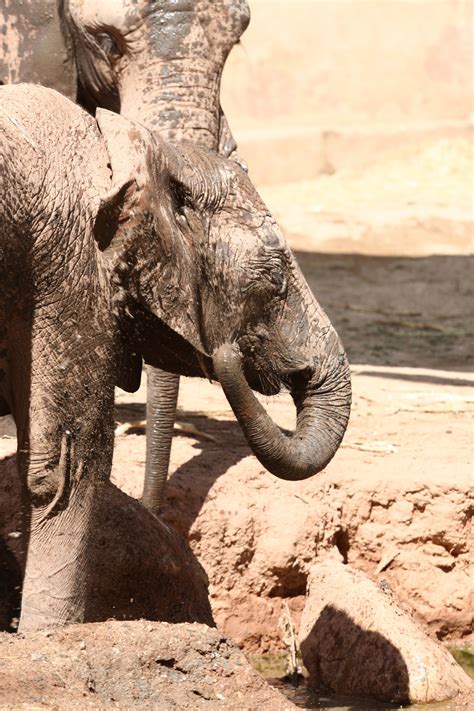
x,y
357,640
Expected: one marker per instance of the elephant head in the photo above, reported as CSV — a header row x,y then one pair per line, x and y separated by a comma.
x,y
158,62
196,256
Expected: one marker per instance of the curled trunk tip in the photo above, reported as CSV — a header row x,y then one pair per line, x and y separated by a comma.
x,y
321,418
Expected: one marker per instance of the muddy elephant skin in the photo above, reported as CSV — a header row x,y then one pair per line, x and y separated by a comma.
x,y
117,246
158,62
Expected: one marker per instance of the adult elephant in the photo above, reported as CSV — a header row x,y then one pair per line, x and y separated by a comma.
x,y
158,62
116,245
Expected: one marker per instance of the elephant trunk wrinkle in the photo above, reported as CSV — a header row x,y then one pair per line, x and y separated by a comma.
x,y
178,98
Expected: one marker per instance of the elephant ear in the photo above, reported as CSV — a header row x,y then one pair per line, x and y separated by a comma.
x,y
127,145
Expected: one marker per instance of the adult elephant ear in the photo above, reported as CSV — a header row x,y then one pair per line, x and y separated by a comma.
x,y
127,145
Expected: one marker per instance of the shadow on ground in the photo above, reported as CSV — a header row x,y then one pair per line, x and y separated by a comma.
x,y
398,311
188,487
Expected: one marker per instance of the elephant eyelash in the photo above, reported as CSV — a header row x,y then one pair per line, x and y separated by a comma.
x,y
180,197
110,42
183,209
279,281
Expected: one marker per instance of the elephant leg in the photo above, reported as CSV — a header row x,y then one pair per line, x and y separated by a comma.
x,y
64,416
4,407
162,398
56,575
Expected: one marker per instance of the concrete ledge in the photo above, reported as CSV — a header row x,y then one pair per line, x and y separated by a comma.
x,y
283,154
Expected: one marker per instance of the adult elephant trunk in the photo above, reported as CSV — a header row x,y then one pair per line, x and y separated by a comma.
x,y
322,406
179,98
157,62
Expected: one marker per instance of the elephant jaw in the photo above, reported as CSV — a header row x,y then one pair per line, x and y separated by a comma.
x,y
323,410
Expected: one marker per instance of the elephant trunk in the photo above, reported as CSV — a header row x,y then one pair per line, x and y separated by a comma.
x,y
176,86
179,98
322,405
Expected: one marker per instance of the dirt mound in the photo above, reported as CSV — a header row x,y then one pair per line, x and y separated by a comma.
x,y
139,566
386,504
131,665
394,503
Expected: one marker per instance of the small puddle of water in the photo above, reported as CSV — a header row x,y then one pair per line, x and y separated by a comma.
x,y
273,668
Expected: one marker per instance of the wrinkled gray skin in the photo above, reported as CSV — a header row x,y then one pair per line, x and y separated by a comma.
x,y
116,245
157,62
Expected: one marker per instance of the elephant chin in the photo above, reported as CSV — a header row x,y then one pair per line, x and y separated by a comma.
x,y
323,408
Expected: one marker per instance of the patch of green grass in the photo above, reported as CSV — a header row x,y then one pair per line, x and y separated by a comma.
x,y
270,666
464,655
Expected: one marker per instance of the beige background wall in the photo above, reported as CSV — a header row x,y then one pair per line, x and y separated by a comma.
x,y
308,71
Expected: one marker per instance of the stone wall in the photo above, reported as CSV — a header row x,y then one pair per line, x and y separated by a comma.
x,y
314,80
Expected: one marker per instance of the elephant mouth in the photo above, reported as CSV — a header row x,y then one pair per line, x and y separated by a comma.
x,y
264,376
267,384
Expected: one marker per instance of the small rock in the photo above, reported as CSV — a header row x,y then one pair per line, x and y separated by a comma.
x,y
36,657
357,640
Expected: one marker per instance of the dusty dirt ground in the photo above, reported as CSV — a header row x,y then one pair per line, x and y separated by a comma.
x,y
131,665
387,253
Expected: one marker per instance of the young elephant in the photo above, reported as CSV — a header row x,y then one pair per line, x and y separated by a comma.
x,y
115,246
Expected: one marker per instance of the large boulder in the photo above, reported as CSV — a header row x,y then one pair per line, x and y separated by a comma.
x,y
131,665
140,567
356,639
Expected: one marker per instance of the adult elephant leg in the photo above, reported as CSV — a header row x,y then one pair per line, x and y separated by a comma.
x,y
162,399
64,413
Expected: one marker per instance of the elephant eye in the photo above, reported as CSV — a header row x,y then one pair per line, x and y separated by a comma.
x,y
109,44
278,280
180,215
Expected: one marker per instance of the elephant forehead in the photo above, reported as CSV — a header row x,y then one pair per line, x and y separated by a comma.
x,y
254,236
199,26
174,26
110,13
